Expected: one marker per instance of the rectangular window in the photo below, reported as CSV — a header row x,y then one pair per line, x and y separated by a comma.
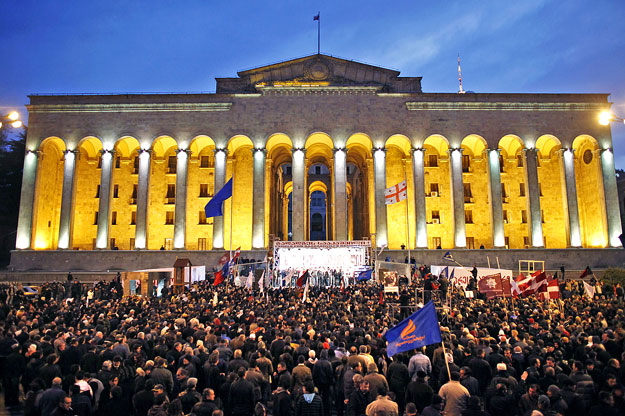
x,y
117,162
434,190
116,191
317,170
203,190
519,160
506,218
542,216
168,244
171,164
470,243
201,243
507,241
133,197
132,244
468,217
202,218
504,195
97,192
501,165
523,216
466,163
169,217
526,242
289,170
100,161
135,165
95,218
432,161
540,189
521,189
436,242
114,218
112,244
468,196
133,218
171,193
436,217
204,161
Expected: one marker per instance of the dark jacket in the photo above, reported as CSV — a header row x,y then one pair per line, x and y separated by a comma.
x,y
142,402
419,393
304,407
241,398
282,403
358,402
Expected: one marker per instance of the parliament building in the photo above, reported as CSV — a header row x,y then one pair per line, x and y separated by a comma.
x,y
311,145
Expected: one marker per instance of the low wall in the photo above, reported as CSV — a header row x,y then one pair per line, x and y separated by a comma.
x,y
27,265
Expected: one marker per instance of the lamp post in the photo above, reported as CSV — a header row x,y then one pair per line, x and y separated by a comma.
x,y
11,120
607,117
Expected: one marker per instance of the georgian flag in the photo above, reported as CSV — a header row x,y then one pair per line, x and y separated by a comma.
x,y
396,193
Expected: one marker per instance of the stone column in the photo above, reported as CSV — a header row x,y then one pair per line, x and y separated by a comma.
x,y
611,198
67,200
27,201
379,184
143,187
531,172
575,235
180,214
340,194
457,191
418,173
299,193
220,181
258,199
104,206
499,239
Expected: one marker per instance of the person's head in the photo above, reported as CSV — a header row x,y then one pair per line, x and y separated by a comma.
x,y
411,409
364,386
372,368
57,382
158,390
455,376
191,383
533,391
74,390
309,387
543,402
281,366
606,398
66,403
421,375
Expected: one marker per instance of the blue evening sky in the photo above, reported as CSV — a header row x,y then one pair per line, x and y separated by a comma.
x,y
92,46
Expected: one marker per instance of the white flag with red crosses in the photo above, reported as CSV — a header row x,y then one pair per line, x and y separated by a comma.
x,y
396,193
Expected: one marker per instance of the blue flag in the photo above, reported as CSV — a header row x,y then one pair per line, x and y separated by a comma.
x,y
448,256
418,330
214,208
365,275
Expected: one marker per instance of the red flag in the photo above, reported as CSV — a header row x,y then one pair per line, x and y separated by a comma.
x,y
491,286
507,287
586,272
533,284
382,295
343,285
219,277
552,290
301,280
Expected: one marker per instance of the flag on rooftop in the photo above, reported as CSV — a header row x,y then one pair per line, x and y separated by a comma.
x,y
214,207
418,330
396,193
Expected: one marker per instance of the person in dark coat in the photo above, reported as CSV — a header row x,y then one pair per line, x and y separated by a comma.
x,y
323,377
419,392
241,397
468,381
398,378
282,399
80,402
359,399
143,400
207,406
51,397
14,367
605,406
309,403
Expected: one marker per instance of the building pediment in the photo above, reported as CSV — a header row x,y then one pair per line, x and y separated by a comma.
x,y
318,72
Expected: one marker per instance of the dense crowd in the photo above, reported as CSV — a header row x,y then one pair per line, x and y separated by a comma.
x,y
232,351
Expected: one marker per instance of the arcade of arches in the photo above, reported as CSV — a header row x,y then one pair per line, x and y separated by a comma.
x,y
135,195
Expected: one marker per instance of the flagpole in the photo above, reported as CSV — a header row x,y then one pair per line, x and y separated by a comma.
x,y
319,33
446,363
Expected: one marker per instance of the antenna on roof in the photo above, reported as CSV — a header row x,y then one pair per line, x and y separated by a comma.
x,y
460,91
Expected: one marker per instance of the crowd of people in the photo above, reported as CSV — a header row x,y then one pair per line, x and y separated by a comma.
x,y
226,350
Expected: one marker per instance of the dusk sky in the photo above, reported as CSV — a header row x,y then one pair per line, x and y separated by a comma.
x,y
555,46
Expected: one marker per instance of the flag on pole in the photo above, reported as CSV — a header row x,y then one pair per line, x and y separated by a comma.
x,y
261,282
448,256
250,280
302,279
221,274
381,249
507,286
532,284
396,193
317,17
552,290
418,330
214,208
305,295
365,275
516,291
590,290
288,277
586,272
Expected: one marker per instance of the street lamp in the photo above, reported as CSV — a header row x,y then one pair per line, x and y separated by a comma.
x,y
12,119
606,117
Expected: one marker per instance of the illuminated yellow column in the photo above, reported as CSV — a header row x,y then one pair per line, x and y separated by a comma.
x,y
67,200
499,239
258,199
27,200
180,214
418,173
575,235
457,192
340,194
141,236
611,198
531,172
220,181
379,184
299,194
105,199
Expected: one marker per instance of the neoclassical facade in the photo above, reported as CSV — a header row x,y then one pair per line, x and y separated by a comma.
x,y
311,144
